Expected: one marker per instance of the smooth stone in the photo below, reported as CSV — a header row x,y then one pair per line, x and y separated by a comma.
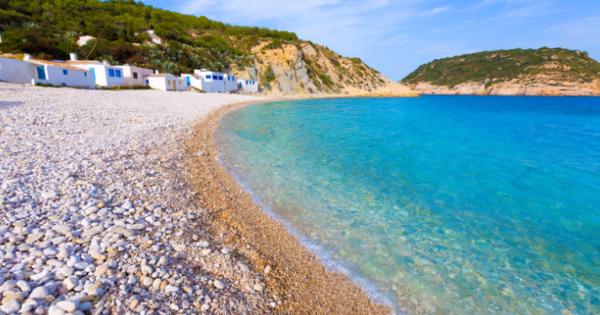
x,y
39,276
24,286
71,283
85,306
39,293
10,306
34,237
55,310
66,271
68,306
147,281
218,284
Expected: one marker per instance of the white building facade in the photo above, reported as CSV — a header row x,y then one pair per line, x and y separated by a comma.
x,y
104,74
135,76
212,82
16,71
231,83
167,82
61,74
250,86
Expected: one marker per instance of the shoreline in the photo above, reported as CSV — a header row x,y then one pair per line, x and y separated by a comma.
x,y
290,270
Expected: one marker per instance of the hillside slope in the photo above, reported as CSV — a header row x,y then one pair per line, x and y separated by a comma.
x,y
125,31
544,71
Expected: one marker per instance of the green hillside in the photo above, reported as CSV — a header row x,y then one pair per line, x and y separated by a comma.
x,y
505,65
50,29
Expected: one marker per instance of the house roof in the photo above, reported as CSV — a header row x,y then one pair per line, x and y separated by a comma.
x,y
83,62
55,64
12,56
161,75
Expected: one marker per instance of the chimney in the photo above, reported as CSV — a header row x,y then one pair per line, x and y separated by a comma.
x,y
156,72
73,56
105,62
27,57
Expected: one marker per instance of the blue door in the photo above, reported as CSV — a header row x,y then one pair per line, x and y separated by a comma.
x,y
93,72
188,80
41,72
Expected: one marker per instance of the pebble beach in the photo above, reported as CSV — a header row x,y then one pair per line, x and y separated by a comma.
x,y
113,202
95,213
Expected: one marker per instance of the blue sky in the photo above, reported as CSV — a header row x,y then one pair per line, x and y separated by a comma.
x,y
396,36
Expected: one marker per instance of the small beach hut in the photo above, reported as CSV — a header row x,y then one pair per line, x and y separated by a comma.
x,y
103,73
210,81
250,86
135,76
59,73
167,82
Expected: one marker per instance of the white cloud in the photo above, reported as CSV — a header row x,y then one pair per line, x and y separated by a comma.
x,y
438,10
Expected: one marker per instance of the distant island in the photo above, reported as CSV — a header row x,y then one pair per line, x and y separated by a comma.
x,y
544,71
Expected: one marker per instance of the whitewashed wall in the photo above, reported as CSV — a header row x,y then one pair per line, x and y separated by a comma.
x,y
249,85
16,71
76,78
142,74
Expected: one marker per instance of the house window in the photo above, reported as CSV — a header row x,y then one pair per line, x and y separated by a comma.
x,y
135,76
118,73
41,72
65,72
111,73
220,78
208,76
215,77
85,74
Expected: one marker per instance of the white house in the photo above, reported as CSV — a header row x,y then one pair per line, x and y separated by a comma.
x,y
231,84
61,74
16,71
192,80
103,73
211,82
250,86
167,82
135,76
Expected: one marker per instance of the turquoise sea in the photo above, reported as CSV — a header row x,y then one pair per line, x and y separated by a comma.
x,y
436,204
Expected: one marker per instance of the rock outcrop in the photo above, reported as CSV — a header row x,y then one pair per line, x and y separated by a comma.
x,y
544,71
307,68
514,87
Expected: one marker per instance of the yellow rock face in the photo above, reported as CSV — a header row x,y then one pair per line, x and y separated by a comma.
x,y
309,69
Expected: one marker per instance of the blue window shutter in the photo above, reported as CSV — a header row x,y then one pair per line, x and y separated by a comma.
x,y
111,73
41,72
65,71
118,72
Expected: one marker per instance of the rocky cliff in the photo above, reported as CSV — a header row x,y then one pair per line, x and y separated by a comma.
x,y
542,71
306,68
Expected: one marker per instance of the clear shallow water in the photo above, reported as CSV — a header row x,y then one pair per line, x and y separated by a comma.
x,y
451,204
